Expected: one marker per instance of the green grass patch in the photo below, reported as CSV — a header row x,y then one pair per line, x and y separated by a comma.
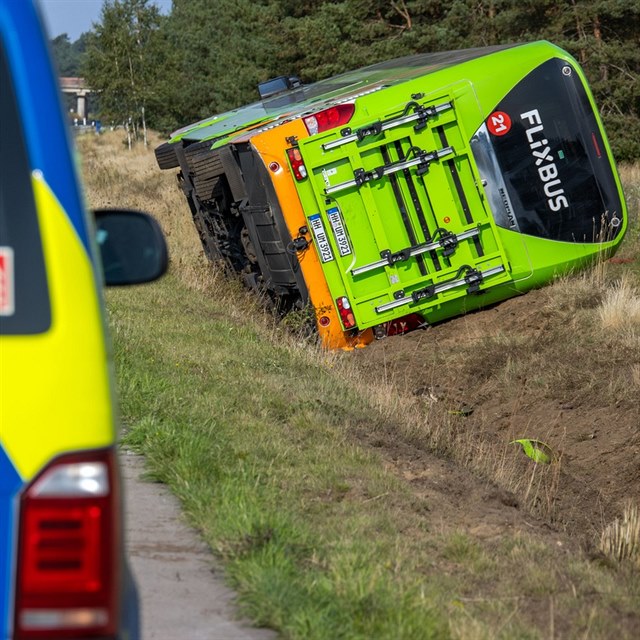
x,y
255,443
258,437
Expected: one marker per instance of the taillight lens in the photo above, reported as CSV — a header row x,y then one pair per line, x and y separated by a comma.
x,y
329,118
405,324
68,571
346,314
297,163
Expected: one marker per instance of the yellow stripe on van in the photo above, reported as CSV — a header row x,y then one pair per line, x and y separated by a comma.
x,y
59,378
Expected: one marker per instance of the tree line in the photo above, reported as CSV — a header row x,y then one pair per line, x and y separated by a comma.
x,y
208,56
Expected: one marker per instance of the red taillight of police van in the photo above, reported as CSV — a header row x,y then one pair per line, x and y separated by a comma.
x,y
329,118
69,546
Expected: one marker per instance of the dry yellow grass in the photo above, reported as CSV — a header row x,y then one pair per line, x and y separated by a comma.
x,y
620,541
620,308
630,177
117,177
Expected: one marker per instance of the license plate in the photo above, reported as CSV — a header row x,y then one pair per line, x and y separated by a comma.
x,y
322,242
339,231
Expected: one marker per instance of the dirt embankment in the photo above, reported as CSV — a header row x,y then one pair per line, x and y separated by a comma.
x,y
525,368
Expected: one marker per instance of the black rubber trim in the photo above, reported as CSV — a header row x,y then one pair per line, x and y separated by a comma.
x,y
166,156
459,190
233,173
393,179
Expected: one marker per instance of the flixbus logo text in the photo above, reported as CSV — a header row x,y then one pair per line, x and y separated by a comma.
x,y
545,162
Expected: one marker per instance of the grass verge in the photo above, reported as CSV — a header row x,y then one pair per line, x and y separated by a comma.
x,y
259,439
271,447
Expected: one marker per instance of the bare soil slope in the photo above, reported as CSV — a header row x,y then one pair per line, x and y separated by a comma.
x,y
538,366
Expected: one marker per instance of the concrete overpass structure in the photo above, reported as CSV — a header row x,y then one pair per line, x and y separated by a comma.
x,y
79,88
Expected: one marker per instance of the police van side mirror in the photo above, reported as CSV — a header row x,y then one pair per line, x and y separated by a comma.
x,y
132,247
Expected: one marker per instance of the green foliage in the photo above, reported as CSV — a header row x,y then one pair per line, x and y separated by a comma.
x,y
69,56
221,51
124,58
208,57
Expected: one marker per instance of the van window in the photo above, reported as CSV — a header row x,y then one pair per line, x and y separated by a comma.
x,y
24,296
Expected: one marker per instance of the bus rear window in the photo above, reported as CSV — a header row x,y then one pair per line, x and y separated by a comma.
x,y
542,155
24,296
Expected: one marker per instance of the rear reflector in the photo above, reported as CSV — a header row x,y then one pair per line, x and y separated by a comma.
x,y
346,314
47,619
297,163
69,548
329,118
596,145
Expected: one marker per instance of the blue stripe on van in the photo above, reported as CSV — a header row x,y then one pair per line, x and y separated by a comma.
x,y
39,101
10,483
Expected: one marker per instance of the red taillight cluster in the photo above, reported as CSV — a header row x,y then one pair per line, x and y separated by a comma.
x,y
408,323
346,314
317,123
297,163
329,118
68,570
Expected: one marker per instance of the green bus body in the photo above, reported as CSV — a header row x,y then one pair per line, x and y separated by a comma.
x,y
460,179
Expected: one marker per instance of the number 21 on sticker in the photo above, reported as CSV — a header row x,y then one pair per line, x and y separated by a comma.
x,y
499,123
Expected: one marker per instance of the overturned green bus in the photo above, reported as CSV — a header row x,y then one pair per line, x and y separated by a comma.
x,y
410,191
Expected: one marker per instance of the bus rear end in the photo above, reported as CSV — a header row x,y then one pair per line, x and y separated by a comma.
x,y
460,187
548,171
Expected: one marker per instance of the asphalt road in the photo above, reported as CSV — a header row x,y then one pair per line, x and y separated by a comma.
x,y
182,593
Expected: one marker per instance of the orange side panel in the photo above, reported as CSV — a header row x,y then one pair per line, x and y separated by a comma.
x,y
271,146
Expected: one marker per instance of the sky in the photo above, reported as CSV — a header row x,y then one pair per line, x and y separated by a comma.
x,y
76,16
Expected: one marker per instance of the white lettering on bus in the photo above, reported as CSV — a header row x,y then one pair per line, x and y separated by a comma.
x,y
547,169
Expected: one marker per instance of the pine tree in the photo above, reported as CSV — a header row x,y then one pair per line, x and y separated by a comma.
x,y
209,55
63,54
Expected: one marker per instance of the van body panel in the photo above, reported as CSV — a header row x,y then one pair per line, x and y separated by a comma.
x,y
41,109
56,391
73,407
10,485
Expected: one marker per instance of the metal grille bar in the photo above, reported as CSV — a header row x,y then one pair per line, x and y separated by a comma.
x,y
478,276
405,254
422,160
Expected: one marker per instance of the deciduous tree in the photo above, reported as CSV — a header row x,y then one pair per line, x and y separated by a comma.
x,y
123,61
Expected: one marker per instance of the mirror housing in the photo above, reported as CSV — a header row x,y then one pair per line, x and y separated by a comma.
x,y
132,247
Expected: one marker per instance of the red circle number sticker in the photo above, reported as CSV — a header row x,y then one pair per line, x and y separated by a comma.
x,y
499,123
